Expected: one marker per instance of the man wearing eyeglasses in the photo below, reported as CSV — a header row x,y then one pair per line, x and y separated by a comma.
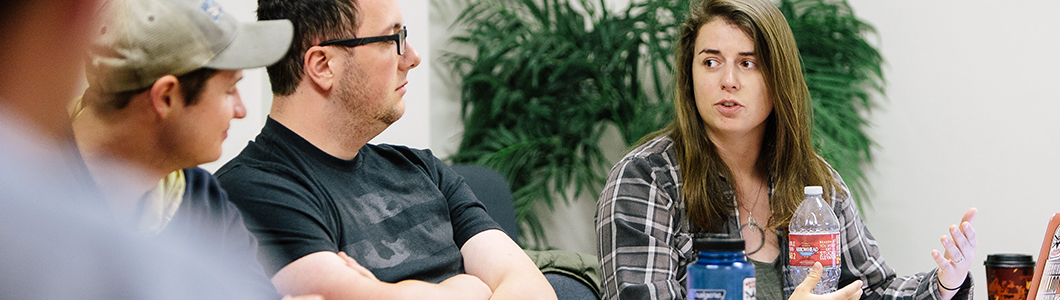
x,y
310,187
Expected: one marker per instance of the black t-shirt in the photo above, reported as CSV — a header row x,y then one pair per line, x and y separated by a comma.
x,y
400,212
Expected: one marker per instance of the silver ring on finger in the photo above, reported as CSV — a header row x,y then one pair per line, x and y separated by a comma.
x,y
957,261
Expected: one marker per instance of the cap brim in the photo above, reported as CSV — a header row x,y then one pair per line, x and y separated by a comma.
x,y
256,44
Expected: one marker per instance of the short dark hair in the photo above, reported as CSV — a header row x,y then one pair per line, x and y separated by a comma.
x,y
192,84
314,21
191,87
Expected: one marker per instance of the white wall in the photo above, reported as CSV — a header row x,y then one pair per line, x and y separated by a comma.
x,y
413,129
969,120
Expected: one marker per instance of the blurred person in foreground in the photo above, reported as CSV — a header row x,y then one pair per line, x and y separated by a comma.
x,y
58,238
311,186
738,155
162,91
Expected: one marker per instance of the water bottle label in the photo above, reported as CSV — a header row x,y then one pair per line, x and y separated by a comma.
x,y
706,294
749,288
748,292
805,249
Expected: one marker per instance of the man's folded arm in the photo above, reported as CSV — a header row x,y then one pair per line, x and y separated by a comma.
x,y
327,274
493,257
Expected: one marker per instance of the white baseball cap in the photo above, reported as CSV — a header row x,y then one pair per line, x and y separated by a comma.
x,y
139,41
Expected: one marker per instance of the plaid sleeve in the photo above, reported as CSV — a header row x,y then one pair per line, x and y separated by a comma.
x,y
637,231
862,260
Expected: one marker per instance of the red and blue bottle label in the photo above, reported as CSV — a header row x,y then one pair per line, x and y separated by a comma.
x,y
805,249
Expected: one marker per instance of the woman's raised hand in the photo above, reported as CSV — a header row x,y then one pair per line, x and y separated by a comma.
x,y
960,251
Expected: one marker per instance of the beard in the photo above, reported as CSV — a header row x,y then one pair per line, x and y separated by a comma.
x,y
357,102
359,110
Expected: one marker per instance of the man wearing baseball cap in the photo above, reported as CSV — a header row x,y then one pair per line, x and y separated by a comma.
x,y
162,90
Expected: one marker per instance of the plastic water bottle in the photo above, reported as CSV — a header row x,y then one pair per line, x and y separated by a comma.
x,y
813,236
721,272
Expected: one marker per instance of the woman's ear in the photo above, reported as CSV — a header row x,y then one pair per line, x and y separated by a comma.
x,y
319,62
165,95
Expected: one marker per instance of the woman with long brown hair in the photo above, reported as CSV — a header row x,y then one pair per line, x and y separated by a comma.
x,y
736,158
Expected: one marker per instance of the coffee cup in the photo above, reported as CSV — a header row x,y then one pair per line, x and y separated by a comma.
x,y
1008,276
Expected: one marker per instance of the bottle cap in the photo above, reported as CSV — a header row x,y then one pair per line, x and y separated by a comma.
x,y
813,190
713,242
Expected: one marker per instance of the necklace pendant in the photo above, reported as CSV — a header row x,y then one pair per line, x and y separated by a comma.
x,y
751,219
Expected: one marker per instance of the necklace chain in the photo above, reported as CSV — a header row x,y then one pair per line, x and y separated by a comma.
x,y
750,215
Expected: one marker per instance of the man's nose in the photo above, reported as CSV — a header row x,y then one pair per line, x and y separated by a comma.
x,y
411,58
238,110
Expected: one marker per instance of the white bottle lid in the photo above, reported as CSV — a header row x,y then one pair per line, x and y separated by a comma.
x,y
813,190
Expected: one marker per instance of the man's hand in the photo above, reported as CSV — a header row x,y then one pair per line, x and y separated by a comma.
x,y
805,289
960,251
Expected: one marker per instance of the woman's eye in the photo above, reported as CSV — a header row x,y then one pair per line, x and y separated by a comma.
x,y
749,64
710,63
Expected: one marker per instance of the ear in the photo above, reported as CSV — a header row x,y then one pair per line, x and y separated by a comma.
x,y
320,64
165,95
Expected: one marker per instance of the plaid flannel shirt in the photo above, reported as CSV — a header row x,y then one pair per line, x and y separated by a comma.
x,y
644,238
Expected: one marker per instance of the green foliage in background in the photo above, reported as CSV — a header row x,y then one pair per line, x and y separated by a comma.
x,y
842,70
548,77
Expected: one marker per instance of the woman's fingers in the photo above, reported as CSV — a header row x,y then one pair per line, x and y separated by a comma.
x,y
969,233
963,239
952,252
943,263
969,216
850,292
966,225
959,238
961,243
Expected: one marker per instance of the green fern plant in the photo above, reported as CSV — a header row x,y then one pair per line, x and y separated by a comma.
x,y
549,76
842,70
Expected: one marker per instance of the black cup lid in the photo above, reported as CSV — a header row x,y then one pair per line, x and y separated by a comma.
x,y
1008,260
717,243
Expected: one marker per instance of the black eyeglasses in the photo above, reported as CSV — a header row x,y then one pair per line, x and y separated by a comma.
x,y
354,42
